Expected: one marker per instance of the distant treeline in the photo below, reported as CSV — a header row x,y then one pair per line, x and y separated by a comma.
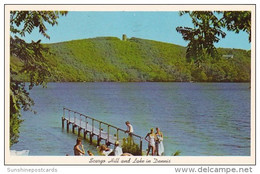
x,y
109,59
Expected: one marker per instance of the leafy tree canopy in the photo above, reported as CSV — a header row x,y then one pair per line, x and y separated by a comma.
x,y
31,55
207,30
237,21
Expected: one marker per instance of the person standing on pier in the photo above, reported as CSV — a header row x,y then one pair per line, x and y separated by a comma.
x,y
79,148
130,131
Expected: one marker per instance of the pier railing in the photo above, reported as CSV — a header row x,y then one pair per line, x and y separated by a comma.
x,y
94,127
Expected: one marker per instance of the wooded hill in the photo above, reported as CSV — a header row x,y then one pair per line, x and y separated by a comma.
x,y
111,59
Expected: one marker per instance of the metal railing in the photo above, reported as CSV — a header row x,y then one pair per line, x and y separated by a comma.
x,y
85,119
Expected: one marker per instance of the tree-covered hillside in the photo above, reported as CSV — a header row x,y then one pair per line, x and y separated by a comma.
x,y
112,59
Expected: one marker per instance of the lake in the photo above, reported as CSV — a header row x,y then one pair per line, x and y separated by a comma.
x,y
198,119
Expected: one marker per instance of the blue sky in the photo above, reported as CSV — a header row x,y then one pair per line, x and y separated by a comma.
x,y
160,26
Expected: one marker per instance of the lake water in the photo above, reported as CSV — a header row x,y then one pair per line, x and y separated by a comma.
x,y
198,119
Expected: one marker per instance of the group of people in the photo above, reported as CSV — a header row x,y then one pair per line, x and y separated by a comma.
x,y
117,151
154,139
155,142
103,150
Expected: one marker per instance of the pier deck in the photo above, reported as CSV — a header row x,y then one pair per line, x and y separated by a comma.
x,y
93,127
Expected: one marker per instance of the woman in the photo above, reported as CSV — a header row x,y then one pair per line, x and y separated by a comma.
x,y
151,142
78,148
159,142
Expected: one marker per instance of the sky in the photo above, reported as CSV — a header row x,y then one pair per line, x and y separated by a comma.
x,y
159,26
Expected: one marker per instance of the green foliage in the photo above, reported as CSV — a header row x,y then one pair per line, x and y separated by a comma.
x,y
33,19
138,60
34,63
206,32
177,153
19,99
237,21
129,146
110,59
27,61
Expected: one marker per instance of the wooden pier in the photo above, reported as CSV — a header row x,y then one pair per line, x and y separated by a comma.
x,y
92,127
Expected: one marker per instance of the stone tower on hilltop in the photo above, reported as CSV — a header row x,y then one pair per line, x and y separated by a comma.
x,y
124,37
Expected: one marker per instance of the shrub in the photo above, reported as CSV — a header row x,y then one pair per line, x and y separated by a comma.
x,y
130,146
